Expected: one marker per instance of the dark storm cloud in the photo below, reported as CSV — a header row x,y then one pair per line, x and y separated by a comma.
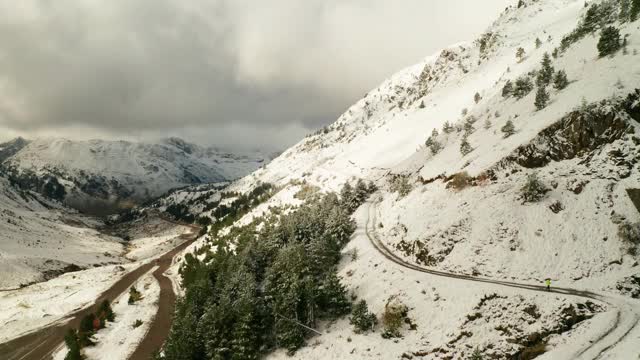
x,y
231,72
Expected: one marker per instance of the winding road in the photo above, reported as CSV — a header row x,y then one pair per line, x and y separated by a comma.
x,y
627,311
42,343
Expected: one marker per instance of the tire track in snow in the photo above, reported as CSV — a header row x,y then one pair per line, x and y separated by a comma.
x,y
617,326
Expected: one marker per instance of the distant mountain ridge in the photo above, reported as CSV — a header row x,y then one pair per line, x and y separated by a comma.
x,y
100,176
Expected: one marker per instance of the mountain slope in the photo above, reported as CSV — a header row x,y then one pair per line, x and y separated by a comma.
x,y
547,200
39,237
99,176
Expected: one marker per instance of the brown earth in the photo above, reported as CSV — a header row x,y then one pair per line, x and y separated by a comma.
x,y
42,343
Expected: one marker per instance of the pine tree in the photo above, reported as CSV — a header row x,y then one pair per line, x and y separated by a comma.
x,y
346,194
545,74
465,147
634,13
542,98
538,43
521,3
435,147
609,41
476,355
468,126
361,319
332,297
288,283
106,312
421,106
560,80
71,340
554,54
508,129
447,128
625,7
523,87
591,19
487,124
507,89
534,190
477,98
520,53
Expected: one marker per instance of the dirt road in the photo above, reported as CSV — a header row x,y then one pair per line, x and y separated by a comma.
x,y
41,344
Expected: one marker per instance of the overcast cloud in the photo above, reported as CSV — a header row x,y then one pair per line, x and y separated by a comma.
x,y
235,73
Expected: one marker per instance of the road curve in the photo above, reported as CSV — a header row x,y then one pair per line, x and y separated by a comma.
x,y
42,343
597,347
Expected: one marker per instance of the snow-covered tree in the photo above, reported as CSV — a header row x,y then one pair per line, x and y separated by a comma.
x,y
609,41
560,80
533,190
507,89
538,43
545,75
624,13
447,128
487,124
634,13
361,319
468,125
520,53
523,87
477,98
435,147
465,147
542,98
508,129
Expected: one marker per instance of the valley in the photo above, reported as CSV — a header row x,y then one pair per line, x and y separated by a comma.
x,y
481,204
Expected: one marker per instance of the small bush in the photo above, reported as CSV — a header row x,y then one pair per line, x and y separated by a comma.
x,y
394,315
629,232
508,129
460,181
520,53
134,295
137,324
400,184
361,318
534,190
476,355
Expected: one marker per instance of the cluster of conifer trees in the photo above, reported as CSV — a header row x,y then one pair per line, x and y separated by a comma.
x,y
265,287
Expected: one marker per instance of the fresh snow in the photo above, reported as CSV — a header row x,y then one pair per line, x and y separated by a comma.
x,y
119,339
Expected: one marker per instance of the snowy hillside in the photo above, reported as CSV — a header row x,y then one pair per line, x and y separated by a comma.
x,y
39,239
100,176
488,170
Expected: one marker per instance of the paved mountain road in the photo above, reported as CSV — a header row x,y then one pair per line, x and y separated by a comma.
x,y
627,313
42,343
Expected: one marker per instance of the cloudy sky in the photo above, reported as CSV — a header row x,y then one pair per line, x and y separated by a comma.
x,y
236,73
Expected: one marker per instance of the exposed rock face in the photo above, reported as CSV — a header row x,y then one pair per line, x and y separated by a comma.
x,y
11,148
579,132
634,194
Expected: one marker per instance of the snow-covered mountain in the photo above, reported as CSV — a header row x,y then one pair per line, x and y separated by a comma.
x,y
39,238
100,176
482,179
